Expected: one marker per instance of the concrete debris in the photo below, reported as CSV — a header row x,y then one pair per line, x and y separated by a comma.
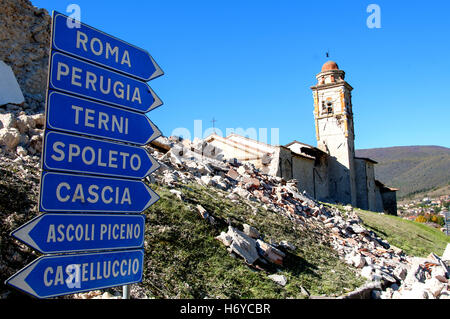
x,y
243,245
279,279
10,92
251,231
269,252
395,274
205,215
388,266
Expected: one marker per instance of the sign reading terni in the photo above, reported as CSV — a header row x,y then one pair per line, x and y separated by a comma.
x,y
56,233
76,115
82,193
51,276
82,78
72,153
96,46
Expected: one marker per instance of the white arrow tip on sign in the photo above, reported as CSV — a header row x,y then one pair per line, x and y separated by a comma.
x,y
153,197
157,101
18,280
158,71
23,233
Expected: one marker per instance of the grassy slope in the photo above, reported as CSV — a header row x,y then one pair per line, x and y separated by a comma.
x,y
415,239
183,260
413,169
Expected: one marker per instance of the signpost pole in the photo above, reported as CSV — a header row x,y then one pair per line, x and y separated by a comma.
x,y
126,292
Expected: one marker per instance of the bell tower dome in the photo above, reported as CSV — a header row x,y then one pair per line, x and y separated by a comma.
x,y
334,129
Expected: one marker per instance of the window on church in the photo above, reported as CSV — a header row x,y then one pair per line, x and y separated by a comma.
x,y
329,107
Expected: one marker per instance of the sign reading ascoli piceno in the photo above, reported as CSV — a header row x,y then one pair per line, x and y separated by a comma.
x,y
57,233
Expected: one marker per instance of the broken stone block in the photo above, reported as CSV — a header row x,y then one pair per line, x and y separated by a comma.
x,y
434,286
206,180
358,261
225,239
366,272
10,91
232,174
287,245
241,170
9,137
205,215
7,120
39,119
243,245
21,151
269,252
400,273
36,142
279,279
251,231
24,123
176,193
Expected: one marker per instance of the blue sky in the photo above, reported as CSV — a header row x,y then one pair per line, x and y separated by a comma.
x,y
250,64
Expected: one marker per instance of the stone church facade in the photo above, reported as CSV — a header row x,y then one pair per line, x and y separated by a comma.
x,y
329,172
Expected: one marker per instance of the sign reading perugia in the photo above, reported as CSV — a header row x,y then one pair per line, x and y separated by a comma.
x,y
91,193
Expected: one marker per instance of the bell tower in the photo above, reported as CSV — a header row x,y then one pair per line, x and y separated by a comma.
x,y
334,130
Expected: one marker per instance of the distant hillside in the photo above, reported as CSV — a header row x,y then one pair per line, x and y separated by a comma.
x,y
412,169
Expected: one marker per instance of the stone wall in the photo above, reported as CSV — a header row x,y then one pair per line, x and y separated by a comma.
x,y
361,184
24,46
303,170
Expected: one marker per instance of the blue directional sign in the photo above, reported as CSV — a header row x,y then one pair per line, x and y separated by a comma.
x,y
90,188
96,46
57,275
81,193
76,115
58,233
72,153
82,78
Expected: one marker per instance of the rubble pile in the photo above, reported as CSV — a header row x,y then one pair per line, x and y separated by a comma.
x,y
24,46
389,272
21,134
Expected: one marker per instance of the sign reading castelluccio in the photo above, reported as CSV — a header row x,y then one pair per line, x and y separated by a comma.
x,y
57,275
92,163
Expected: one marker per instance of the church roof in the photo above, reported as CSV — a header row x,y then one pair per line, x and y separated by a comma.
x,y
367,159
384,188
